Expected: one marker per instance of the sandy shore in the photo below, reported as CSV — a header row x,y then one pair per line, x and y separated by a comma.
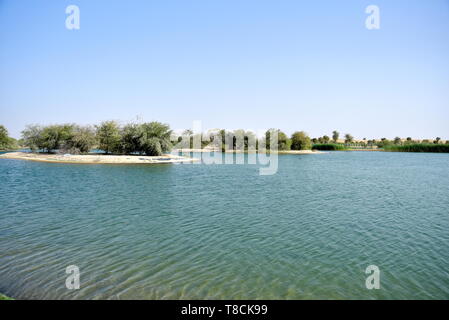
x,y
96,158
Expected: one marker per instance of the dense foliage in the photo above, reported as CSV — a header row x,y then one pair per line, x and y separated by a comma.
x,y
108,135
151,138
300,141
155,138
6,142
69,138
418,147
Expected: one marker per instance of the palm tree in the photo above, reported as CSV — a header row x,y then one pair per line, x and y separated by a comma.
x,y
348,138
155,139
335,135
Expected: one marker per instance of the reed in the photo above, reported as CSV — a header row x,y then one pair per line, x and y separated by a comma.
x,y
418,147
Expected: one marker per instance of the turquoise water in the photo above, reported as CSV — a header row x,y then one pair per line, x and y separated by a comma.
x,y
224,232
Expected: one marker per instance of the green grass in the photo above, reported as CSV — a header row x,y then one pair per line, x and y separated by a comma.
x,y
328,147
3,297
418,147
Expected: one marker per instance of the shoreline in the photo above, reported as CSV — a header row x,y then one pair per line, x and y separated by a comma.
x,y
97,158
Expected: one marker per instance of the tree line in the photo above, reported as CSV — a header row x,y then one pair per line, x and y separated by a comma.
x,y
245,140
326,143
152,138
155,138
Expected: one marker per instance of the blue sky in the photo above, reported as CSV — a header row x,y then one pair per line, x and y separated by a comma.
x,y
249,64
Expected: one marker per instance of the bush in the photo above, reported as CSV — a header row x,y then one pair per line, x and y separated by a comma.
x,y
6,142
152,139
48,138
108,135
155,138
130,139
300,141
81,140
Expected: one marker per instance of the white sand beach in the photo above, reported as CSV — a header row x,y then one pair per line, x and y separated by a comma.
x,y
97,158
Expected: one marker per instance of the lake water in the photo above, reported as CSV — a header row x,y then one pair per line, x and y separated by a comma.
x,y
196,231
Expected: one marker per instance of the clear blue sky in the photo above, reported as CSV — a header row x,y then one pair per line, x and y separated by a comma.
x,y
249,64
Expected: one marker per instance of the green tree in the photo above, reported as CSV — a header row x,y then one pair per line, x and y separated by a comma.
x,y
49,138
3,137
408,140
335,135
131,135
32,137
384,142
301,141
326,139
397,140
55,137
282,139
348,138
155,138
6,142
108,135
437,140
82,140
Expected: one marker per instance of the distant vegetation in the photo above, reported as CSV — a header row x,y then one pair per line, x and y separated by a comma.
x,y
155,138
6,142
421,147
329,147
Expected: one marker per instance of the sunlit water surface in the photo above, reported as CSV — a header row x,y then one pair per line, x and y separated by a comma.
x,y
225,232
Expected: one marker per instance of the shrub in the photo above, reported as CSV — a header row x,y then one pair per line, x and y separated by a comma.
x,y
130,139
108,135
155,138
300,141
6,142
81,140
418,147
